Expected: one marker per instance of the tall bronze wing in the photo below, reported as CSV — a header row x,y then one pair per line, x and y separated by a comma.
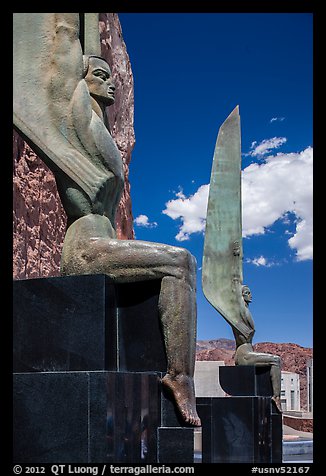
x,y
222,274
47,72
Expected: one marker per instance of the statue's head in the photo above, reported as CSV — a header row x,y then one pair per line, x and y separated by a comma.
x,y
246,294
97,74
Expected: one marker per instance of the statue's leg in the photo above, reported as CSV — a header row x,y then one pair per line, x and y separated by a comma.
x,y
260,359
90,248
178,316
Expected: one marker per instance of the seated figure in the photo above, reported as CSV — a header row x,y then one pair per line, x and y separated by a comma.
x,y
91,247
245,354
59,108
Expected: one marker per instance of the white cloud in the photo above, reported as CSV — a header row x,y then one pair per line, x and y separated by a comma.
x,y
265,146
273,119
143,220
282,184
191,210
261,261
302,241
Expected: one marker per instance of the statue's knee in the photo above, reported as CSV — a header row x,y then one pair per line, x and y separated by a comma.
x,y
193,262
185,259
276,361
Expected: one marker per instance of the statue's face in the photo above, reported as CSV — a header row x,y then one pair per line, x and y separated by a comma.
x,y
246,293
99,81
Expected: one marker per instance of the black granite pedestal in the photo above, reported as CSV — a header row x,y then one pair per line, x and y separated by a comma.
x,y
240,380
86,323
96,417
244,427
88,359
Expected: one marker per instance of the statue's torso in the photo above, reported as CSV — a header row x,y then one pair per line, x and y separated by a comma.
x,y
108,162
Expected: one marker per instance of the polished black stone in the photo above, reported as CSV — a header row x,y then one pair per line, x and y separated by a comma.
x,y
50,417
246,380
92,417
141,344
175,445
61,323
204,410
86,417
84,349
239,430
86,323
277,436
133,415
97,416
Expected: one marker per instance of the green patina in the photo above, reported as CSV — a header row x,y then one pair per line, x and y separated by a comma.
x,y
222,262
222,273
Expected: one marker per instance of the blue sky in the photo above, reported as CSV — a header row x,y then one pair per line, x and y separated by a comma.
x,y
190,71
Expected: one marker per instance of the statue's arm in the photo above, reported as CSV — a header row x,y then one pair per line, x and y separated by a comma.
x,y
43,94
250,319
85,130
66,85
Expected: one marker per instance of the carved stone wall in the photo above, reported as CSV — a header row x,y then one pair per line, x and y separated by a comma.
x,y
39,218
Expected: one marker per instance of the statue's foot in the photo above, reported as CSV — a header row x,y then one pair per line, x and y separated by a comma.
x,y
277,402
182,388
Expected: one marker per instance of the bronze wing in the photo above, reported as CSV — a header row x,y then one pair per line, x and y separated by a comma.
x,y
222,274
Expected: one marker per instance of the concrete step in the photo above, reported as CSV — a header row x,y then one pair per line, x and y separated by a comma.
x,y
297,447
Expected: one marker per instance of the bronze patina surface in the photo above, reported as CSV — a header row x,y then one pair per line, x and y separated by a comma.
x,y
222,272
59,108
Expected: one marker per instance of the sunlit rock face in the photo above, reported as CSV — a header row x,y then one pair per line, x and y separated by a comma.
x,y
39,218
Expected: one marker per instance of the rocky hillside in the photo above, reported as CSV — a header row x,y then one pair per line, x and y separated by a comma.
x,y
39,219
294,357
